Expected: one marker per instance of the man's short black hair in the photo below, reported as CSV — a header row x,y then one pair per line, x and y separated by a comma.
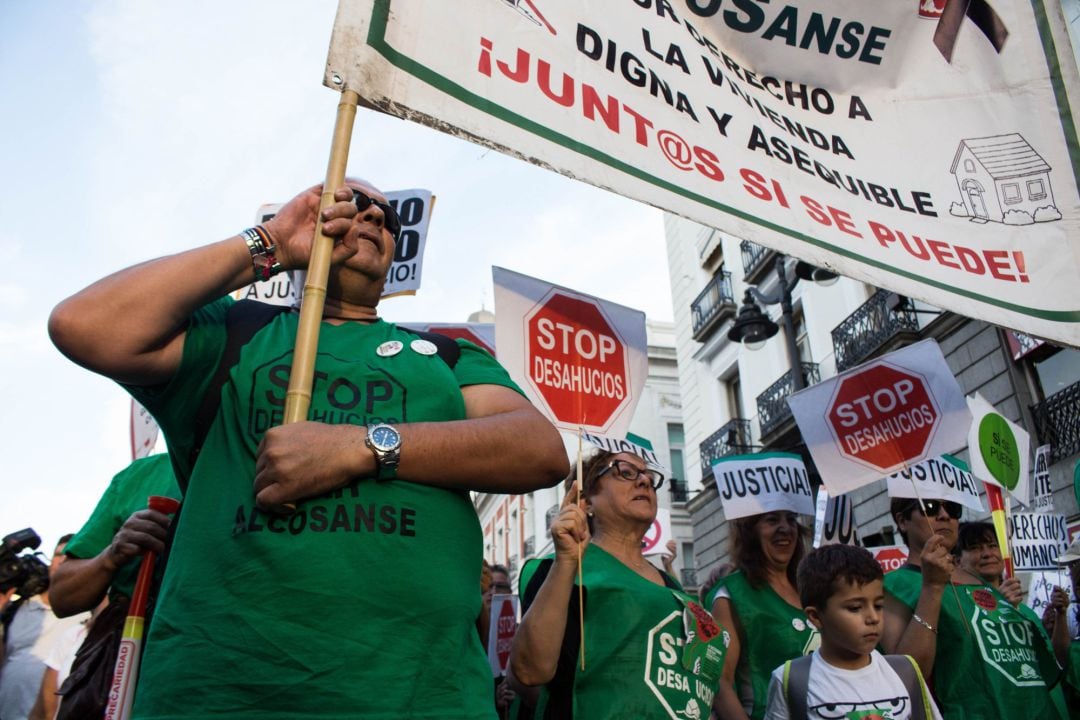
x,y
496,568
821,570
64,539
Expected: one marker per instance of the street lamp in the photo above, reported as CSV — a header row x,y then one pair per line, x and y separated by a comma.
x,y
752,327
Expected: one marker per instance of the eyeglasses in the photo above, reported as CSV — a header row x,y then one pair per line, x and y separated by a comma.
x,y
933,507
390,217
625,470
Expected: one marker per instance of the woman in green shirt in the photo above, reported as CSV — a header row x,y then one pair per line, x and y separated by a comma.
x,y
983,656
760,602
649,651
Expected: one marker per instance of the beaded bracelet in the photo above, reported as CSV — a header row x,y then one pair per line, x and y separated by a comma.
x,y
262,248
928,626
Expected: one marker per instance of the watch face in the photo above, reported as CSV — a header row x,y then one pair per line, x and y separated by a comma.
x,y
384,437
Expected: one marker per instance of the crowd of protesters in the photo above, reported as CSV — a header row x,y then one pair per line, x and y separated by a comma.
x,y
323,570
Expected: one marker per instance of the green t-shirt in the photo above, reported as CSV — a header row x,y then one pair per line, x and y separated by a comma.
x,y
127,493
650,650
991,660
772,632
329,612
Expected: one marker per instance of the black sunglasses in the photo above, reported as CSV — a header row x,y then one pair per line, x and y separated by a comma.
x,y
933,507
391,221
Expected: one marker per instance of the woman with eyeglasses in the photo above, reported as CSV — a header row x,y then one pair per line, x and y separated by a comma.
x,y
760,602
982,656
650,651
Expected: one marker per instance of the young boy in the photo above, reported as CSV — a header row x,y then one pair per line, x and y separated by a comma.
x,y
840,587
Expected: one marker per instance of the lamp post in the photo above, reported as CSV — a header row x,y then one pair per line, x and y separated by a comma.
x,y
753,327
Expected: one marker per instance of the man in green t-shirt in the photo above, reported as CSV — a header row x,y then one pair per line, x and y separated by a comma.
x,y
299,584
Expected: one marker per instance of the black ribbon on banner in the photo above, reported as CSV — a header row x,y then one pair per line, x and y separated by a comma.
x,y
980,12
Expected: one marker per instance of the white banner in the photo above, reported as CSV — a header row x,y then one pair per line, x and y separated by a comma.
x,y
1041,585
761,483
1042,495
144,431
837,131
999,449
657,537
940,478
882,416
1037,539
581,360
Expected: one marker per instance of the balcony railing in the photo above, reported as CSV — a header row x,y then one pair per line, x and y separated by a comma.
x,y
755,260
871,330
733,438
549,517
689,578
712,305
530,547
772,405
680,492
1057,422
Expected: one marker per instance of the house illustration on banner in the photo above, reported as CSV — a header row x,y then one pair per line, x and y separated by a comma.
x,y
1002,179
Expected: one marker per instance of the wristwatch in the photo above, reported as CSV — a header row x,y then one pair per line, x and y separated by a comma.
x,y
385,443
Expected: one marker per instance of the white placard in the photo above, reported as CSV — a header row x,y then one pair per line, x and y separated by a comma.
x,y
1037,539
999,449
144,431
834,520
658,535
501,630
882,416
761,483
836,131
1042,494
940,478
581,360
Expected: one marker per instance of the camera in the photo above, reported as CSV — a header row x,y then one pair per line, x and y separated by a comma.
x,y
27,573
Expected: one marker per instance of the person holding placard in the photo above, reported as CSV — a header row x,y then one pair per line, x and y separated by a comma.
x,y
649,650
983,657
285,596
760,602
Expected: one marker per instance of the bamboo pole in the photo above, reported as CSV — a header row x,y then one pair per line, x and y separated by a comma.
x,y
301,377
580,574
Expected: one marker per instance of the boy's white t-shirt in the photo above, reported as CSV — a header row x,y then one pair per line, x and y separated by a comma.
x,y
838,694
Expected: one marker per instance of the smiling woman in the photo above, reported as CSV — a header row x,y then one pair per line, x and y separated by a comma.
x,y
760,602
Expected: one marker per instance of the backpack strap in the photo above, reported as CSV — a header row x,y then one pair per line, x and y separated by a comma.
x,y
911,676
243,319
797,685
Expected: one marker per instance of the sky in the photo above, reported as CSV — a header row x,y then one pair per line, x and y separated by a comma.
x,y
134,129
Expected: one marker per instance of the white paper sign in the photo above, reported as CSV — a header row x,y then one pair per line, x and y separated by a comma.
x,y
1041,585
144,431
761,483
834,520
999,449
501,631
1042,495
632,443
413,206
842,132
657,536
940,478
581,360
882,416
1037,539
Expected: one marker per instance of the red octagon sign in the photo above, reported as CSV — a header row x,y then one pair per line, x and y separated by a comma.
x,y
883,417
576,361
504,633
890,558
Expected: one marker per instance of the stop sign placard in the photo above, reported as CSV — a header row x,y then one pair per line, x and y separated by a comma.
x,y
576,360
502,628
883,416
890,557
